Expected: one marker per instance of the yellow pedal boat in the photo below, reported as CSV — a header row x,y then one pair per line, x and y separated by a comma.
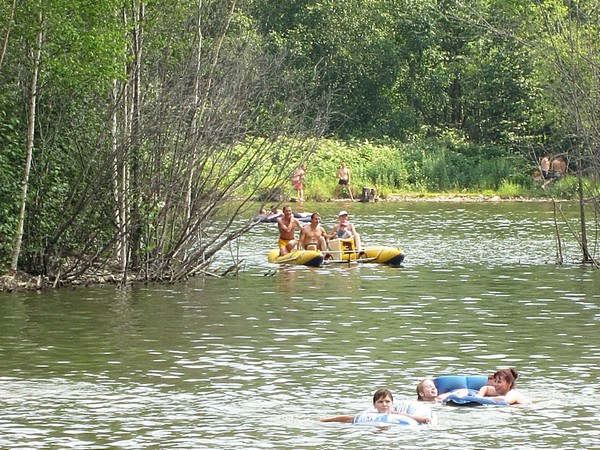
x,y
343,250
312,258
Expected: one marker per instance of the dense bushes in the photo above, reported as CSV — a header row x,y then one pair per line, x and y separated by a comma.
x,y
429,166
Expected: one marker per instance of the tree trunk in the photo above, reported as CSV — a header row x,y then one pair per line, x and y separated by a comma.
x,y
135,192
119,188
587,258
8,28
37,57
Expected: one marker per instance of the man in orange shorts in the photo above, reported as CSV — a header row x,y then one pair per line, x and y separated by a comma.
x,y
287,225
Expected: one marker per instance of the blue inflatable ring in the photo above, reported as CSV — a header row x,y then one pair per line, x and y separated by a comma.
x,y
373,418
451,383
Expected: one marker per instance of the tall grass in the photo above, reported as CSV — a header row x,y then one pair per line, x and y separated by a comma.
x,y
424,167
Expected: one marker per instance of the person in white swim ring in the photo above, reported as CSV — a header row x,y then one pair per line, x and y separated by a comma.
x,y
383,401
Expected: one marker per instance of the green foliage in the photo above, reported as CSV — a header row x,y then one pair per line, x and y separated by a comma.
x,y
426,96
11,168
402,69
427,166
565,188
508,189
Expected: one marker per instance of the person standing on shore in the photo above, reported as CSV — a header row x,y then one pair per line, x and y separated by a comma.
x,y
558,167
298,181
545,166
344,176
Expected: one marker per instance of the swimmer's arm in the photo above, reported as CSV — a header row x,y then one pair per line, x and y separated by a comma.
x,y
482,392
441,397
457,392
343,419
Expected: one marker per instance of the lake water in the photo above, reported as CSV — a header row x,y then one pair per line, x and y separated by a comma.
x,y
253,362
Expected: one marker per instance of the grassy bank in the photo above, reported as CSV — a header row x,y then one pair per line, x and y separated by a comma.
x,y
426,168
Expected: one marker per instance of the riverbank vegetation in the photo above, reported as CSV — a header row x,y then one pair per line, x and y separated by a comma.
x,y
126,129
427,167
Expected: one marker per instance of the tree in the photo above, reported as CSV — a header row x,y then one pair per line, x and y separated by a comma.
x,y
147,155
36,60
570,45
562,41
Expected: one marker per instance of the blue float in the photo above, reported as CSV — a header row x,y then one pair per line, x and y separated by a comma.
x,y
380,419
454,383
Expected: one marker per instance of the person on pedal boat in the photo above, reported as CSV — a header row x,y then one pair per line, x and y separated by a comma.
x,y
287,226
313,236
347,228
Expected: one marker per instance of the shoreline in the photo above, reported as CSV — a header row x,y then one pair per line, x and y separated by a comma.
x,y
21,281
467,198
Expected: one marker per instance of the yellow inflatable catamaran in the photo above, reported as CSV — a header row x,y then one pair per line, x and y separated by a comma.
x,y
344,250
311,258
340,251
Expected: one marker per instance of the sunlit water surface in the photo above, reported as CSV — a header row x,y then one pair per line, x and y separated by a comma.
x,y
254,362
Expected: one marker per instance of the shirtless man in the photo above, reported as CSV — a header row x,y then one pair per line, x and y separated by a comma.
x,y
545,167
312,236
287,224
343,174
338,231
558,167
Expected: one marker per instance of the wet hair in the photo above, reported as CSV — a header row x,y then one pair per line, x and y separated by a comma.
x,y
315,214
382,393
510,375
420,389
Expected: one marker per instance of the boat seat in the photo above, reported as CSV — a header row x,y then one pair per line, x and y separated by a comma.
x,y
342,245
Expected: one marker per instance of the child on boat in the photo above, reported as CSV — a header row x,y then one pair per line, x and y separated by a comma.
x,y
344,232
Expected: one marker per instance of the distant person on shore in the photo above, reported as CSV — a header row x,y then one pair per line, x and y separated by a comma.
x,y
558,167
298,181
287,225
383,403
313,236
338,230
344,176
545,166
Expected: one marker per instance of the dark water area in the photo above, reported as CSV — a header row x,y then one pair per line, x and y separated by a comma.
x,y
254,361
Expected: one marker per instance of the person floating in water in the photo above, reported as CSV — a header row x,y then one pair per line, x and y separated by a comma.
x,y
504,388
383,403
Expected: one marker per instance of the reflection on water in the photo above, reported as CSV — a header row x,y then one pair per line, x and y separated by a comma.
x,y
254,362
